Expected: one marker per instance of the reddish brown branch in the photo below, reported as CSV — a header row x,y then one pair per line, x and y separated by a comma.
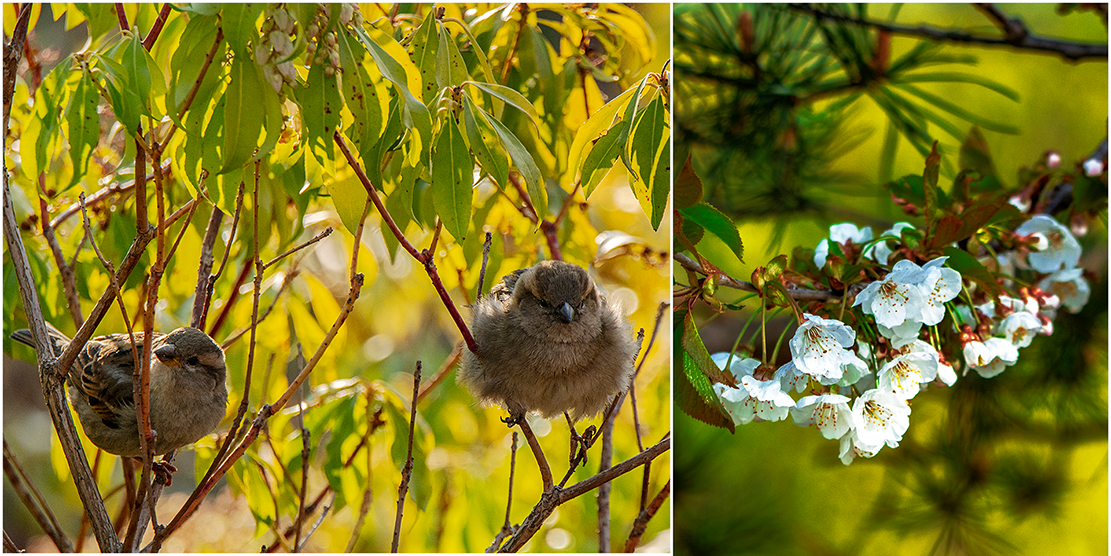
x,y
122,17
156,29
424,257
449,364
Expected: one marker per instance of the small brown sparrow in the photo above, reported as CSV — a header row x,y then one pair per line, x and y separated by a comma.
x,y
188,396
549,342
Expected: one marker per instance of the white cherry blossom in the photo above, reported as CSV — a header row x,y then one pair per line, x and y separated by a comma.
x,y
990,357
896,297
880,418
880,251
1020,327
851,447
903,375
1070,287
819,347
754,398
829,412
841,233
1061,252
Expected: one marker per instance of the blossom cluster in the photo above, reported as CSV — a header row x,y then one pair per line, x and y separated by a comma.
x,y
858,390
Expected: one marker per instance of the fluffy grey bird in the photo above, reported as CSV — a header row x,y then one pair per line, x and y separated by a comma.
x,y
188,395
549,342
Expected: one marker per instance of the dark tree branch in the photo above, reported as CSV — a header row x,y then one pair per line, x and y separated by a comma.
x,y
13,52
730,282
551,499
506,528
1017,35
156,29
646,515
407,470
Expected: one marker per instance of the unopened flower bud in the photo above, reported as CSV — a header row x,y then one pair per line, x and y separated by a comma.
x,y
1053,160
272,77
1093,167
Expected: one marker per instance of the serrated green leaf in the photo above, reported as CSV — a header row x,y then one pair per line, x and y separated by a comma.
x,y
485,144
693,391
451,180
688,186
602,156
717,223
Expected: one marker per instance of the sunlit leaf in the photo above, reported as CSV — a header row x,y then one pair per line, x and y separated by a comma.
x,y
451,180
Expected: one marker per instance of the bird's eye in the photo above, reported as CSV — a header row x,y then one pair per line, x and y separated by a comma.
x,y
193,361
544,304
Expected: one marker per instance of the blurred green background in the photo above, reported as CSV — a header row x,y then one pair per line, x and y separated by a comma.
x,y
1036,481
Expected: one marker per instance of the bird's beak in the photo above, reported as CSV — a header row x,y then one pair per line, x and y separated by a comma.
x,y
167,354
566,312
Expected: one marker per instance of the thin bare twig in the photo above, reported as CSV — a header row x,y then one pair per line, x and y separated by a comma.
x,y
485,259
13,53
550,500
730,282
34,502
306,437
97,197
327,231
641,522
506,528
316,524
69,279
407,470
223,262
449,364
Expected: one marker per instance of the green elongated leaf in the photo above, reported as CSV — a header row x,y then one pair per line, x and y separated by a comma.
x,y
415,115
511,97
451,180
273,120
39,140
660,181
126,104
549,83
525,165
320,111
84,126
422,50
349,197
593,127
648,139
101,17
238,22
340,420
373,154
713,221
359,93
451,69
243,119
485,144
929,185
138,70
694,391
972,269
188,58
602,156
630,115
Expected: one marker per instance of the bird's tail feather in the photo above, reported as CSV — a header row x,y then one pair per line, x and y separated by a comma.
x,y
24,337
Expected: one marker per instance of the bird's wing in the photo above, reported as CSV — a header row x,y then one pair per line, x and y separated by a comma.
x,y
107,365
503,290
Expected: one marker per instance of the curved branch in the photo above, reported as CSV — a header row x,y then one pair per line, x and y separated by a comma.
x,y
730,282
